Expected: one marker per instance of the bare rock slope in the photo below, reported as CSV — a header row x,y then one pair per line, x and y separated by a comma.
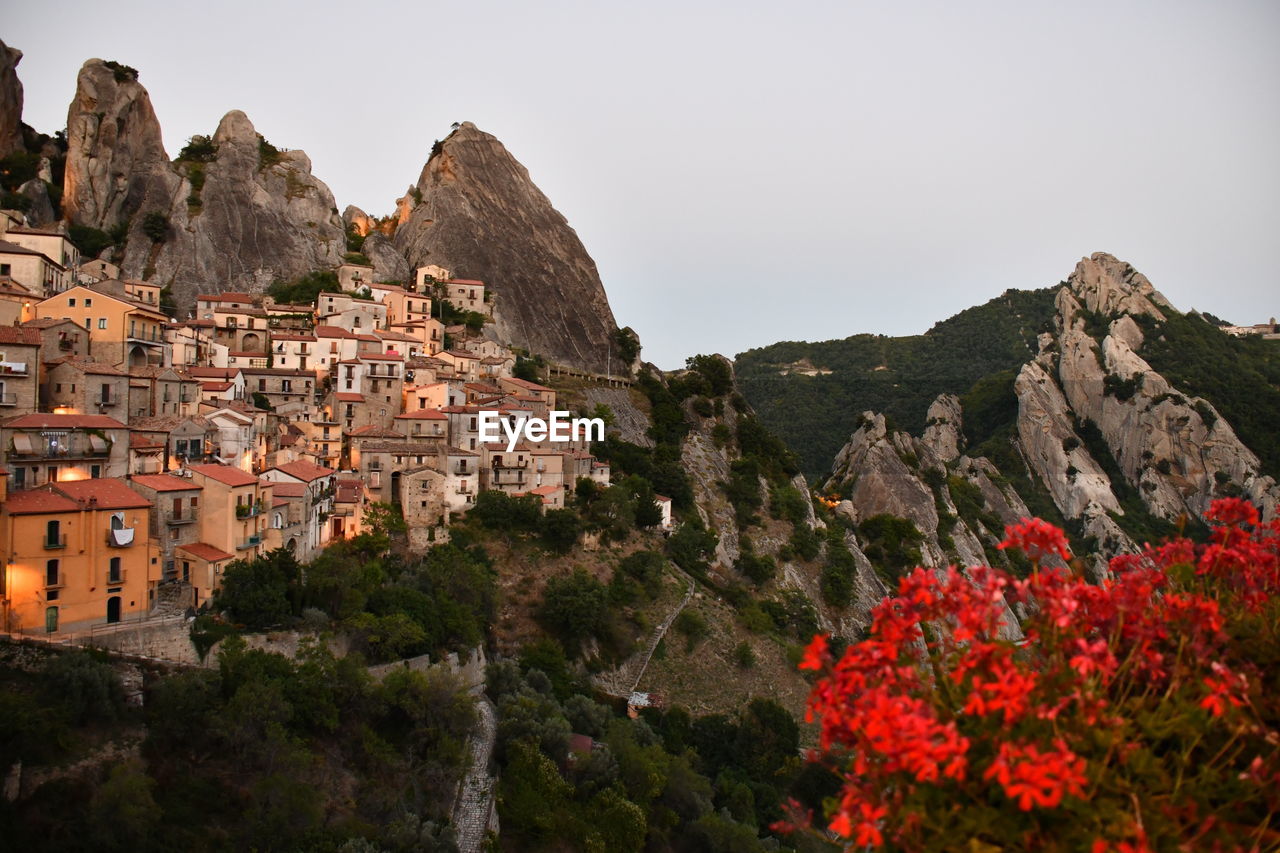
x,y
10,101
248,216
481,217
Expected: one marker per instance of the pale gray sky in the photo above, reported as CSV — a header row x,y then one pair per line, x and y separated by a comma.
x,y
748,172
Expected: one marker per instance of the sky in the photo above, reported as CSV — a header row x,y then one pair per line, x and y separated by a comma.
x,y
744,173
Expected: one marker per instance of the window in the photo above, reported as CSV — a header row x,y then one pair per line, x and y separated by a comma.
x,y
71,303
95,472
88,323
177,508
53,531
51,573
88,301
102,322
115,574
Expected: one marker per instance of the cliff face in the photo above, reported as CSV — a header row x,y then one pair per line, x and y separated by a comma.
x,y
246,217
116,162
260,215
10,101
1113,445
481,217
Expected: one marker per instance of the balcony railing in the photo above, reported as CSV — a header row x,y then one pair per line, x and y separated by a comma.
x,y
13,368
248,510
51,542
106,402
251,542
58,581
182,518
116,577
462,468
8,399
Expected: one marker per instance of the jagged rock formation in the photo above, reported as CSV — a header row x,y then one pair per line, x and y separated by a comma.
x,y
10,101
238,222
476,212
260,216
116,161
1096,426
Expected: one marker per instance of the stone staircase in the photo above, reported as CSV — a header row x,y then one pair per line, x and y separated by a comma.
x,y
172,599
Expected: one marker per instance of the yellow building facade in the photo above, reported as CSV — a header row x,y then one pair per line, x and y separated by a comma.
x,y
76,555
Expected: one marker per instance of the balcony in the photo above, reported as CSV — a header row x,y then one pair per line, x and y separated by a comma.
x,y
51,543
116,577
8,399
59,580
248,510
105,402
182,518
251,542
463,468
13,368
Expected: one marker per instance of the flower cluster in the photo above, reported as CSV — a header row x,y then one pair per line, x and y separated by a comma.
x,y
1140,713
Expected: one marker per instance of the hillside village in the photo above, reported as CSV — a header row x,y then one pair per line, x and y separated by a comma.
x,y
141,454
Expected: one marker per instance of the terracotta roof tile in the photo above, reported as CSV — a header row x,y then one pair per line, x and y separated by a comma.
x,y
206,552
166,482
224,474
305,471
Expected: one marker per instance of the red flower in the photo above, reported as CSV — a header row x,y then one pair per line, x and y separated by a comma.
x,y
815,656
1037,539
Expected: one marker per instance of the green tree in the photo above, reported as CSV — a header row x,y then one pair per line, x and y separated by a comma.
x,y
155,225
574,607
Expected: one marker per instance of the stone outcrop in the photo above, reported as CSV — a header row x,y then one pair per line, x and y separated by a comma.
x,y
41,211
10,101
258,215
116,163
388,263
944,432
481,217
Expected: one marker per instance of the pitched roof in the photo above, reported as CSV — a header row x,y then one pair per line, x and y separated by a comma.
x,y
372,431
47,421
348,397
424,415
46,322
224,474
38,501
305,471
225,297
215,386
84,365
166,482
206,552
108,494
332,332
288,490
377,356
20,335
524,383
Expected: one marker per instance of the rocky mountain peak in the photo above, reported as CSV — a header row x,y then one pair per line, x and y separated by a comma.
x,y
115,149
1107,285
10,101
476,212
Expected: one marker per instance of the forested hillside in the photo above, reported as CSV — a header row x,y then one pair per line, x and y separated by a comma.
x,y
815,414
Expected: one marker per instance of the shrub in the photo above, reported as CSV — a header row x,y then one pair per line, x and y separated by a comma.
x,y
694,627
268,154
1135,715
744,656
574,607
760,570
156,226
199,149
